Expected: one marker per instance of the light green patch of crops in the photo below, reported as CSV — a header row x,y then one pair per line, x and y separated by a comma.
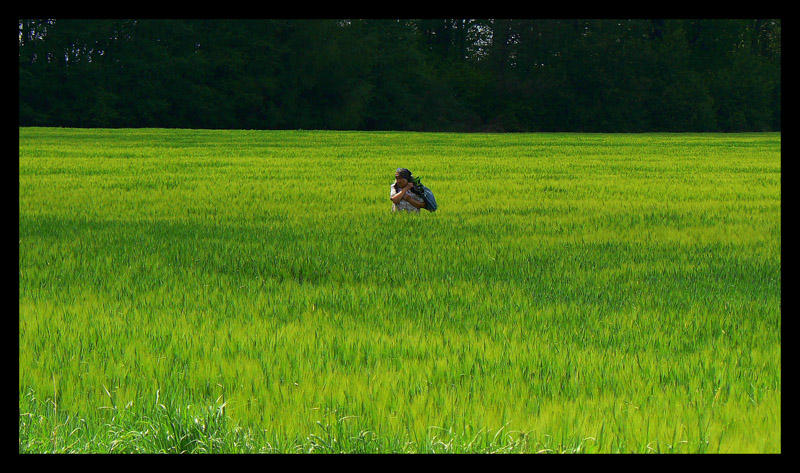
x,y
250,291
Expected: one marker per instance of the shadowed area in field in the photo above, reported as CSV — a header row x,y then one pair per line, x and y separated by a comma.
x,y
608,274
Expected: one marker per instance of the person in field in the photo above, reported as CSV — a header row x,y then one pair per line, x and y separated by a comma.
x,y
403,200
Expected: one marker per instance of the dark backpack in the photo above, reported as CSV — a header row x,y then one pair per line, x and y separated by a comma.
x,y
430,200
426,195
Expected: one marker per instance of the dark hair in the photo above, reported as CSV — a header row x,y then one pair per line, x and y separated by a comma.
x,y
404,173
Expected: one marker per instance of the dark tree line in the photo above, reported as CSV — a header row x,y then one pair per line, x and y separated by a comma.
x,y
426,75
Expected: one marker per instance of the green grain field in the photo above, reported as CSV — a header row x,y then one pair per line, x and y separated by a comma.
x,y
250,291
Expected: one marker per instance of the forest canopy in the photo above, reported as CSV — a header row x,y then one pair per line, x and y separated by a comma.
x,y
471,75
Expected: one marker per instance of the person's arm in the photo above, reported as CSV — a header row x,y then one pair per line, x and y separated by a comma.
x,y
402,194
420,204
